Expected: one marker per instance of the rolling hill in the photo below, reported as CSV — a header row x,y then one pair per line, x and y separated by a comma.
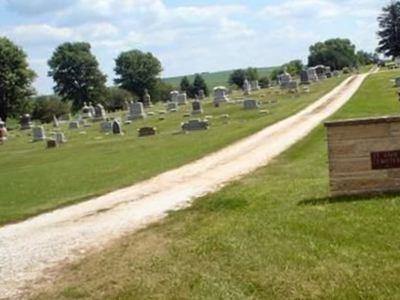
x,y
215,78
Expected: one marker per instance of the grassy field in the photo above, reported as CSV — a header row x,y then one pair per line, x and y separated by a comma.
x,y
275,234
36,180
216,78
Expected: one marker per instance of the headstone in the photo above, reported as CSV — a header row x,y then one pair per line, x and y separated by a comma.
x,y
312,74
220,95
397,80
59,137
250,104
255,85
74,125
92,110
51,144
364,155
38,134
182,99
56,123
172,106
106,126
321,72
25,122
336,73
116,127
99,113
202,94
147,99
174,96
86,111
196,108
304,77
136,111
246,88
147,131
284,80
293,86
125,105
194,125
3,131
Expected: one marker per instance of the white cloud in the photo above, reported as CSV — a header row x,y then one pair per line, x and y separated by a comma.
x,y
39,33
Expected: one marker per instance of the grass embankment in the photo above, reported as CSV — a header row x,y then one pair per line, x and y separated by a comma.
x,y
272,235
35,180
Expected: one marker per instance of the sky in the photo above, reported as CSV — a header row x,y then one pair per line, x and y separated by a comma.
x,y
187,36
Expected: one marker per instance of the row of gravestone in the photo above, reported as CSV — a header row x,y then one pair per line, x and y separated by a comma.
x,y
312,74
249,86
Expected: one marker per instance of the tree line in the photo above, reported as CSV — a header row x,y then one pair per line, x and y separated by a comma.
x,y
78,79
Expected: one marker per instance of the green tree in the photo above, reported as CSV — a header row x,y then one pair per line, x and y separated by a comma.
x,y
200,84
275,72
185,85
116,98
335,53
389,33
15,79
237,77
293,67
162,91
45,107
137,71
252,74
264,82
365,58
75,71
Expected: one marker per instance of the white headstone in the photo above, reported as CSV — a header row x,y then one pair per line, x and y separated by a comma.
x,y
136,111
38,134
220,95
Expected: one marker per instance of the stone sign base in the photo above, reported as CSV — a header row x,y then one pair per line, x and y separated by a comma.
x,y
364,155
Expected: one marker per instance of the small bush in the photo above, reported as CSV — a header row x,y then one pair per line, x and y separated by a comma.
x,y
45,107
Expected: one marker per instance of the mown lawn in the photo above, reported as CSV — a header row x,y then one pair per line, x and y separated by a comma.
x,y
35,180
275,234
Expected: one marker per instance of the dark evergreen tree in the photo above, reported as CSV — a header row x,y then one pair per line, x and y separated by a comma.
x,y
389,33
200,84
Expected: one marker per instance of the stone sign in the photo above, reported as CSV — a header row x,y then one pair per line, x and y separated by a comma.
x,y
304,77
364,155
255,85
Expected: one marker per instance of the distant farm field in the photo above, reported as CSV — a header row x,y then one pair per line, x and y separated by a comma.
x,y
216,78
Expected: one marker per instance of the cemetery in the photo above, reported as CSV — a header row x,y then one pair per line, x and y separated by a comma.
x,y
298,208
86,139
121,182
